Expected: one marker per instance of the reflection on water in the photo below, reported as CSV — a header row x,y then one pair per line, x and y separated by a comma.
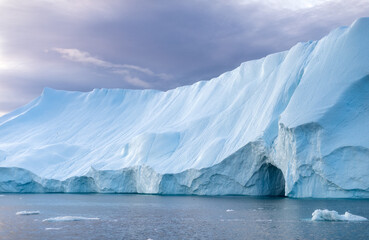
x,y
108,216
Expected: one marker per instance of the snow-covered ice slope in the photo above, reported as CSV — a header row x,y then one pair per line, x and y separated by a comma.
x,y
293,123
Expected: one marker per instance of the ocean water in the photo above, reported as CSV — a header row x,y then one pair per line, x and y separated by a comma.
x,y
117,216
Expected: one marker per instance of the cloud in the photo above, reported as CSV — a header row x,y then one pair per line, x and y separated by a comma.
x,y
123,69
82,57
133,80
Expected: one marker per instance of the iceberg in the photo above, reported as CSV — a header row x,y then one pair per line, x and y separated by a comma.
x,y
326,215
294,123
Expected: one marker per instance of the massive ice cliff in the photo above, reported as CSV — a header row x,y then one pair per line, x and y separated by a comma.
x,y
294,123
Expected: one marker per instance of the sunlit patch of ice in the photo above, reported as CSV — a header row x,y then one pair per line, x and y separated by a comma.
x,y
229,210
28,213
2,195
50,229
68,219
327,215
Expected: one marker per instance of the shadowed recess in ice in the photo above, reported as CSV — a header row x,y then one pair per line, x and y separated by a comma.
x,y
293,123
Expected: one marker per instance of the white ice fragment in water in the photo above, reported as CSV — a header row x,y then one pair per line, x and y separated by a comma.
x,y
28,213
48,229
327,215
68,219
229,210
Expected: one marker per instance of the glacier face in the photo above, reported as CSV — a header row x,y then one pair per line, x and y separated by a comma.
x,y
293,123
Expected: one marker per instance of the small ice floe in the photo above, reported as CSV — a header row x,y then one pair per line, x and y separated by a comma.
x,y
263,220
28,213
229,210
51,229
68,219
327,215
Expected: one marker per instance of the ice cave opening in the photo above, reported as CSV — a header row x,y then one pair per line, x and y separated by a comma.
x,y
271,180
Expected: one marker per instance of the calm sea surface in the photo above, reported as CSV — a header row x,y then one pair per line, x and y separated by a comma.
x,y
175,217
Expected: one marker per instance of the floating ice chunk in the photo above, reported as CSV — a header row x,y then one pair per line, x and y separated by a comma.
x,y
49,229
229,210
68,219
327,215
28,213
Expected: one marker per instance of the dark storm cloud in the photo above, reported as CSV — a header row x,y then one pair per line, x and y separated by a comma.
x,y
80,45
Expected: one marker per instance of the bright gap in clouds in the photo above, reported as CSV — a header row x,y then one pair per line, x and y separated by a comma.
x,y
4,65
288,4
7,63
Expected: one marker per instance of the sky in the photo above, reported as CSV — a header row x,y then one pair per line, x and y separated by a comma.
x,y
162,44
